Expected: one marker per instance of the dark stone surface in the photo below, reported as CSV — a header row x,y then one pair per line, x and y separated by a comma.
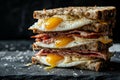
x,y
13,61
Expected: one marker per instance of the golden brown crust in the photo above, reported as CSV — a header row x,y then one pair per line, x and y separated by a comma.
x,y
99,13
34,61
98,65
95,66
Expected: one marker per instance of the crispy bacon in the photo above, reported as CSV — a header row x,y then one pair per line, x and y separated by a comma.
x,y
78,33
50,37
45,38
42,36
92,54
83,34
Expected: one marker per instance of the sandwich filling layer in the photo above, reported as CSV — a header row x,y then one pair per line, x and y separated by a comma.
x,y
66,61
69,42
78,53
63,60
61,23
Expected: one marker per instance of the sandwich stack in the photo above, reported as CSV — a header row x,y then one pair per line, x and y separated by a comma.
x,y
73,37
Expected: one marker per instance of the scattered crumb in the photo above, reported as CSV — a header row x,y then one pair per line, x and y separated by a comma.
x,y
75,74
5,64
28,64
81,71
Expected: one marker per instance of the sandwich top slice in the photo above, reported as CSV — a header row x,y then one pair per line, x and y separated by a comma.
x,y
96,13
83,40
82,18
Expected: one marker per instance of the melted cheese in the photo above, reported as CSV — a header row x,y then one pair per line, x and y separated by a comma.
x,y
105,40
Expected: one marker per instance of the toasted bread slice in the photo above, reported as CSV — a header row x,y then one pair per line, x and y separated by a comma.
x,y
97,13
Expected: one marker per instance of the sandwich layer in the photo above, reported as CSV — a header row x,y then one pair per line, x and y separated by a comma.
x,y
74,43
53,60
67,22
98,13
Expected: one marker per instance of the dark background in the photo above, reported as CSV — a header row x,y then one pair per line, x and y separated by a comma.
x,y
16,15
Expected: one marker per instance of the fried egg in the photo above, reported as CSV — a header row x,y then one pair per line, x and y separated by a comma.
x,y
65,42
56,60
60,23
60,44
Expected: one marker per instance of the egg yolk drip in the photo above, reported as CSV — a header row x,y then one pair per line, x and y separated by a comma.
x,y
52,23
53,59
62,41
105,40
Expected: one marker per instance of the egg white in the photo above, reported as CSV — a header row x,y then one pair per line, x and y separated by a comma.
x,y
64,63
68,23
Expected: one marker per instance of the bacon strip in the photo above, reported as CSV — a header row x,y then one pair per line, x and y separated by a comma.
x,y
92,54
50,37
82,34
45,38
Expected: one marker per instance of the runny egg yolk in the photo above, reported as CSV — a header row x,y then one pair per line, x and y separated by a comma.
x,y
53,59
62,41
52,23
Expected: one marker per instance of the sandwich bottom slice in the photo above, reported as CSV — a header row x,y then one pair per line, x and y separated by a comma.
x,y
56,60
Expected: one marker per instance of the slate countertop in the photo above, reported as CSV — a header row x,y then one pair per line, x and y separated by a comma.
x,y
14,55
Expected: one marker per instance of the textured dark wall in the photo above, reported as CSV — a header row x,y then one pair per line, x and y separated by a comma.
x,y
16,15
